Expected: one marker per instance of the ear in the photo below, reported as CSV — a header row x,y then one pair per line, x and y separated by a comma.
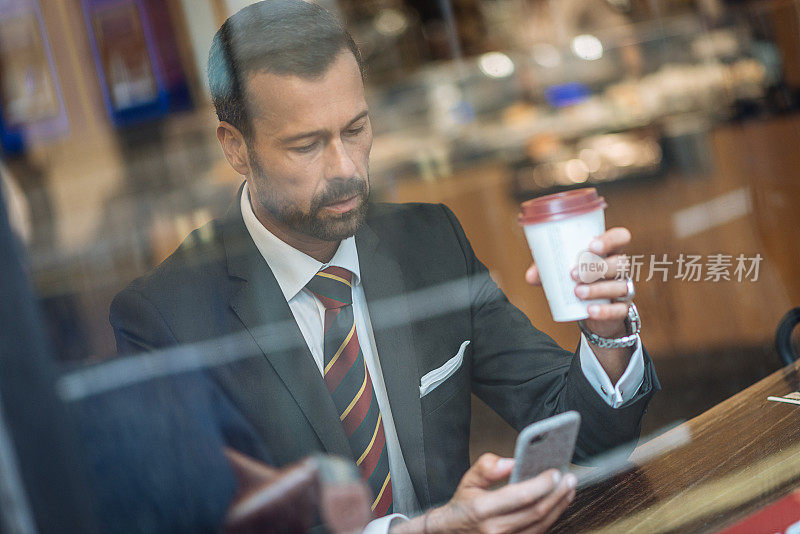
x,y
234,147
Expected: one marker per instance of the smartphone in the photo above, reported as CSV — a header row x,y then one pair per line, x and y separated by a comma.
x,y
546,444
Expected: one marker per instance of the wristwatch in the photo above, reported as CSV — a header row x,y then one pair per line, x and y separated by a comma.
x,y
634,327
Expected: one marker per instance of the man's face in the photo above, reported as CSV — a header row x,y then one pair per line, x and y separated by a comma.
x,y
309,156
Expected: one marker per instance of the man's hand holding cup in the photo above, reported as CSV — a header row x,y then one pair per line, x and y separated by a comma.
x,y
610,263
581,265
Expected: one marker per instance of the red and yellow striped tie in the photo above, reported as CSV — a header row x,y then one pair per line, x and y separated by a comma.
x,y
349,383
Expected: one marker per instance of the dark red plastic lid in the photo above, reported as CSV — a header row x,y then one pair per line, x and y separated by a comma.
x,y
561,205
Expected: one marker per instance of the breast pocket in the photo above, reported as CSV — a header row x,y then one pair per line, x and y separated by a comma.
x,y
438,385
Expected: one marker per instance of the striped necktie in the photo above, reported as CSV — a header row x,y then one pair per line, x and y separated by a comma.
x,y
347,377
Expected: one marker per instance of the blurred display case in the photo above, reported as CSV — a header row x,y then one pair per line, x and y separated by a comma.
x,y
665,132
563,117
625,106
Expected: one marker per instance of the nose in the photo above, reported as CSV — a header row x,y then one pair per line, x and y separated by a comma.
x,y
339,164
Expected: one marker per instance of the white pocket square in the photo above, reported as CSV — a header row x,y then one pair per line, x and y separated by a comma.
x,y
434,378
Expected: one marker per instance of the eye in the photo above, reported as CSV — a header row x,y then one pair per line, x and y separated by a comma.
x,y
305,149
355,131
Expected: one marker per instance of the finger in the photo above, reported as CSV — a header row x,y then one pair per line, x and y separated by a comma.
x,y
538,512
249,472
611,242
616,311
519,495
555,512
486,471
618,266
606,289
532,276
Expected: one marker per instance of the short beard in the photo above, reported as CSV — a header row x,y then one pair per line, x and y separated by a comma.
x,y
331,228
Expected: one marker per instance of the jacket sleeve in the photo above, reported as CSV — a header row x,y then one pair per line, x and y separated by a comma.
x,y
522,373
138,324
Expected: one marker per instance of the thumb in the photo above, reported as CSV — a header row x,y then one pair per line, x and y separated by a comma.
x,y
488,470
532,275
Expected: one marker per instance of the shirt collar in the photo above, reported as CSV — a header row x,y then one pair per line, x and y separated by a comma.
x,y
294,269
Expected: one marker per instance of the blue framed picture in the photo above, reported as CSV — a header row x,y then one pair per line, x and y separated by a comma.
x,y
130,57
31,101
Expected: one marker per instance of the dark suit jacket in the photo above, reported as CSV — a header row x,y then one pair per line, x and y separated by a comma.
x,y
218,286
38,434
154,454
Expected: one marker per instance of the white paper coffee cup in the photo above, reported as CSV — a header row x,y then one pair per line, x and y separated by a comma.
x,y
559,228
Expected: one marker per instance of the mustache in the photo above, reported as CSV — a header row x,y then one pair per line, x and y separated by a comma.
x,y
340,190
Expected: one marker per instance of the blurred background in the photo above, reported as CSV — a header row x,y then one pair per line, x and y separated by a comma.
x,y
684,114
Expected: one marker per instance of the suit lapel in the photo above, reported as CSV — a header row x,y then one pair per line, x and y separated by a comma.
x,y
260,305
391,323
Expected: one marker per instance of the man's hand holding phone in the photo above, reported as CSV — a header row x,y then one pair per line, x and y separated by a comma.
x,y
529,506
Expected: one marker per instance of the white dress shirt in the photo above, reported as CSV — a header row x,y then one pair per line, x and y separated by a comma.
x,y
294,269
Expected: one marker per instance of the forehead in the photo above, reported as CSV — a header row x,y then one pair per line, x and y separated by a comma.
x,y
285,104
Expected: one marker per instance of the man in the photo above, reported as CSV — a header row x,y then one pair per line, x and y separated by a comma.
x,y
366,327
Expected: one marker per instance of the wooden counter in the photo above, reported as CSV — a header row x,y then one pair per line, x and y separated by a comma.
x,y
743,454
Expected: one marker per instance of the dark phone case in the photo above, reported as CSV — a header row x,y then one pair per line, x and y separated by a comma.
x,y
546,444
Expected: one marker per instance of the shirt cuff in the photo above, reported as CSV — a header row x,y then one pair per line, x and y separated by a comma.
x,y
382,524
629,383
